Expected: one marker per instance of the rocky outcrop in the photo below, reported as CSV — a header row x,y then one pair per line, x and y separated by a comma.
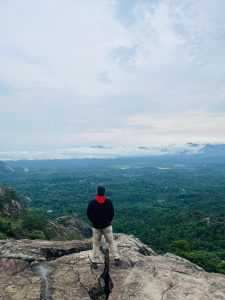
x,y
38,250
13,209
63,228
68,227
217,221
10,208
75,222
142,274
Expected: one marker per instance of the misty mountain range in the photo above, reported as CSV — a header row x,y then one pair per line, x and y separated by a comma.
x,y
190,151
99,151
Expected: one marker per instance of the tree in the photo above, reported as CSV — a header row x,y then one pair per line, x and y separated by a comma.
x,y
179,246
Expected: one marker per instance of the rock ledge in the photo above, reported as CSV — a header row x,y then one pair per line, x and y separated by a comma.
x,y
142,274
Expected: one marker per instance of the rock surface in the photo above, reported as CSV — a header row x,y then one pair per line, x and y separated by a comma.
x,y
142,274
11,208
68,227
38,250
75,222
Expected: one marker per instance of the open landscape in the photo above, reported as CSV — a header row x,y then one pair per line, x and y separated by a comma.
x,y
126,96
172,203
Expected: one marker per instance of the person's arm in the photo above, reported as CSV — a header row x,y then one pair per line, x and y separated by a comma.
x,y
111,211
89,212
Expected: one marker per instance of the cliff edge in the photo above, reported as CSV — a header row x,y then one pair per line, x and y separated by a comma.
x,y
34,269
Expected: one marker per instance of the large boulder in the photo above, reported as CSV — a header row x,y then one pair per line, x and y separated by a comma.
x,y
68,227
75,222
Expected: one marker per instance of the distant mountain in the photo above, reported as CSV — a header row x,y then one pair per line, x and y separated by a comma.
x,y
5,167
99,151
204,151
210,150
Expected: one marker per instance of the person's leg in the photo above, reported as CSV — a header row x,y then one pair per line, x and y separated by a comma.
x,y
108,234
96,239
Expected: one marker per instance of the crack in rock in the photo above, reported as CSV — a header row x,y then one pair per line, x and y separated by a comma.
x,y
105,284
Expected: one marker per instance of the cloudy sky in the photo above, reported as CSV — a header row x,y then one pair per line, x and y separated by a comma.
x,y
76,73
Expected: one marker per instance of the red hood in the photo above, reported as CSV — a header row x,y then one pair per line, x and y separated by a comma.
x,y
100,199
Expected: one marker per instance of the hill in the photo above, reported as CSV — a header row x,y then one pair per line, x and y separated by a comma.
x,y
17,222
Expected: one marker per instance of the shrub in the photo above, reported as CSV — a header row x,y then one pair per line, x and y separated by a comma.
x,y
5,226
34,222
179,245
2,236
37,235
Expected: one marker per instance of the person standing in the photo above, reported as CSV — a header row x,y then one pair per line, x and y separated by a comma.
x,y
100,212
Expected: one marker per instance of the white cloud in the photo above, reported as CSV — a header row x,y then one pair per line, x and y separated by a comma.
x,y
102,152
80,72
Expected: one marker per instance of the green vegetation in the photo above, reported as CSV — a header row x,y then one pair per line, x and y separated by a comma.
x,y
171,205
210,261
27,225
7,195
6,227
34,221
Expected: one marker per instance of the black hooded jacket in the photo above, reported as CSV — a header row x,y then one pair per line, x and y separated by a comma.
x,y
100,212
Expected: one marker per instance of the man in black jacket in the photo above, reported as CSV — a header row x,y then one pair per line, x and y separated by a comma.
x,y
100,212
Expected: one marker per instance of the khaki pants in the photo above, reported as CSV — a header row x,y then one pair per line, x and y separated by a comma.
x,y
97,236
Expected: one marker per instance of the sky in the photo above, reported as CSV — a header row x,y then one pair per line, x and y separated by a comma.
x,y
78,73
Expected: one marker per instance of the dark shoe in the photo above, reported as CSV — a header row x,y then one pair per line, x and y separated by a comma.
x,y
94,265
117,262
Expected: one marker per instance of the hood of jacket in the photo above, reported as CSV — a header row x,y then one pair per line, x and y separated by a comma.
x,y
100,199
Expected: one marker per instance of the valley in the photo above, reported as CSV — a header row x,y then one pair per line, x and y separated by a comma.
x,y
172,204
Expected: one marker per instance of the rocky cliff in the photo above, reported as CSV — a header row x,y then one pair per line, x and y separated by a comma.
x,y
68,227
62,270
29,226
10,207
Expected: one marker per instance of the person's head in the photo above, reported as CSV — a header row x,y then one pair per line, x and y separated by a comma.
x,y
101,191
